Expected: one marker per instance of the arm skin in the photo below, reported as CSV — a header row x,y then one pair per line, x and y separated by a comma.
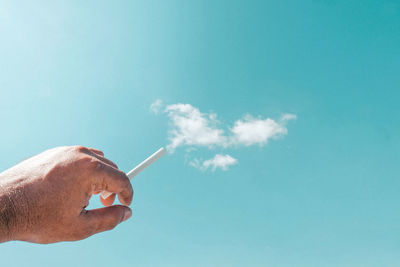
x,y
43,199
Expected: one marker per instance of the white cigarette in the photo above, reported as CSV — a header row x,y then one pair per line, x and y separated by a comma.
x,y
135,171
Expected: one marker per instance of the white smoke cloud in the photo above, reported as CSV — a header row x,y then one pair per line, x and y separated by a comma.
x,y
191,128
156,106
288,117
251,131
218,161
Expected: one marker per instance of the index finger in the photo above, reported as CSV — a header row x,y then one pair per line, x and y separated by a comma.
x,y
113,180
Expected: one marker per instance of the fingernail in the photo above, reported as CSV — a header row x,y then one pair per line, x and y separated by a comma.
x,y
127,214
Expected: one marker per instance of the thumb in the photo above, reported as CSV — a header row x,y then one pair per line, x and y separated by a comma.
x,y
104,219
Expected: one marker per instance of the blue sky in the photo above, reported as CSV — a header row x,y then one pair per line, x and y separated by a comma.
x,y
325,194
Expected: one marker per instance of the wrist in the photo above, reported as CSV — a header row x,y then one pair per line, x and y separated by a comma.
x,y
10,213
7,216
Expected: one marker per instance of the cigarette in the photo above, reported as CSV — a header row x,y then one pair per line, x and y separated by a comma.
x,y
135,171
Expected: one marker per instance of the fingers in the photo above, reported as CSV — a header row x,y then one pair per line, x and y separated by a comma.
x,y
104,219
105,160
109,178
108,201
100,156
114,181
96,151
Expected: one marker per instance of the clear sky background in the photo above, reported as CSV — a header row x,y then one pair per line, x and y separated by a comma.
x,y
326,194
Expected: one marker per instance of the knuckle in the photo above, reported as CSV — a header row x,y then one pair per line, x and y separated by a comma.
x,y
97,165
80,148
84,160
91,163
104,185
123,176
120,176
95,150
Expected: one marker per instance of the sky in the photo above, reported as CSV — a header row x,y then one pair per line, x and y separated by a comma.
x,y
295,156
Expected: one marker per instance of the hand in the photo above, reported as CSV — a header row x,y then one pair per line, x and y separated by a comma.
x,y
43,199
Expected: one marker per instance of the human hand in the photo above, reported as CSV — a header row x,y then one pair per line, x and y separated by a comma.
x,y
43,199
